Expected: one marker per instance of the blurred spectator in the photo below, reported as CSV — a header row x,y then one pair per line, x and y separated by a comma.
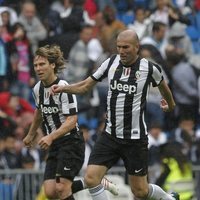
x,y
28,184
184,6
141,23
8,20
161,12
36,157
33,25
110,30
167,14
79,62
2,149
11,15
157,38
82,57
4,62
20,53
91,7
195,63
176,172
13,4
74,16
7,123
12,159
103,3
52,21
195,151
179,39
184,83
197,5
185,134
59,5
156,138
27,161
13,105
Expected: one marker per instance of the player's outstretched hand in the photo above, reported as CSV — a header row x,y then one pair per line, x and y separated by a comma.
x,y
56,89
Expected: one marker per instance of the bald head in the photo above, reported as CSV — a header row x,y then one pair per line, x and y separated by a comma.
x,y
128,46
128,34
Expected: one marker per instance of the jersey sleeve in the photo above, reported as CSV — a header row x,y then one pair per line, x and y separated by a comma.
x,y
157,75
68,103
35,93
101,72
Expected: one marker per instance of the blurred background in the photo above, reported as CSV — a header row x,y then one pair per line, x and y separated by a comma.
x,y
86,30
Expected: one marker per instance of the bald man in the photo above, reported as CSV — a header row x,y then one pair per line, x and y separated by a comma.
x,y
125,136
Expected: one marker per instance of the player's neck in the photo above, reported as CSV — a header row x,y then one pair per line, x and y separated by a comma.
x,y
49,81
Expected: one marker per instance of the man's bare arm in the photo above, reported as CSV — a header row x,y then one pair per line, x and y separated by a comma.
x,y
76,88
32,133
168,103
70,123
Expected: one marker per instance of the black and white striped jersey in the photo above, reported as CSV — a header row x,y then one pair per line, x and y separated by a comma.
x,y
126,100
54,108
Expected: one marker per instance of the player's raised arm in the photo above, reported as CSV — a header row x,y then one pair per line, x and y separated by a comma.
x,y
76,88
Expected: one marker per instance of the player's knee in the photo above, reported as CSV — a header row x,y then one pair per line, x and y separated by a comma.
x,y
91,181
140,192
63,190
50,194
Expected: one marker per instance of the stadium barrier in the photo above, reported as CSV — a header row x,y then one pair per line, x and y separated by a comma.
x,y
20,184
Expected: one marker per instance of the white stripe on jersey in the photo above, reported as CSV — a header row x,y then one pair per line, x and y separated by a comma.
x,y
128,89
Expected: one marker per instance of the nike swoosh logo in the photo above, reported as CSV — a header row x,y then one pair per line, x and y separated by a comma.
x,y
65,168
137,171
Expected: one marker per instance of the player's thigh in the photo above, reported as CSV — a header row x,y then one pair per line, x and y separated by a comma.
x,y
70,159
135,157
94,174
138,184
105,152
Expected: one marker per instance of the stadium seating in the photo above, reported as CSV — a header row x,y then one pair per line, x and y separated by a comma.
x,y
126,18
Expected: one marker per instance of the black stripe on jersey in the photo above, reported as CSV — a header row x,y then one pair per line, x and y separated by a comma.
x,y
113,100
72,111
105,74
143,98
129,101
41,99
70,97
159,69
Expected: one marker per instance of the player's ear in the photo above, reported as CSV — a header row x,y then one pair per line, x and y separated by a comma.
x,y
53,65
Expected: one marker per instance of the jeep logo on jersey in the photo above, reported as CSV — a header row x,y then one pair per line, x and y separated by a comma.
x,y
123,87
49,110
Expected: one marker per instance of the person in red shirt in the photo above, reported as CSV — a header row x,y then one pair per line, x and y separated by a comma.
x,y
13,105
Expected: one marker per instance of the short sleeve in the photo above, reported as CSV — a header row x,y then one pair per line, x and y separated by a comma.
x,y
157,75
35,93
101,72
68,102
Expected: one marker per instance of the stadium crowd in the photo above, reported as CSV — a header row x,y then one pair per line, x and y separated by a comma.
x,y
86,30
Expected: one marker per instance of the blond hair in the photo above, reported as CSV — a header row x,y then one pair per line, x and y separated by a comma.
x,y
54,55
